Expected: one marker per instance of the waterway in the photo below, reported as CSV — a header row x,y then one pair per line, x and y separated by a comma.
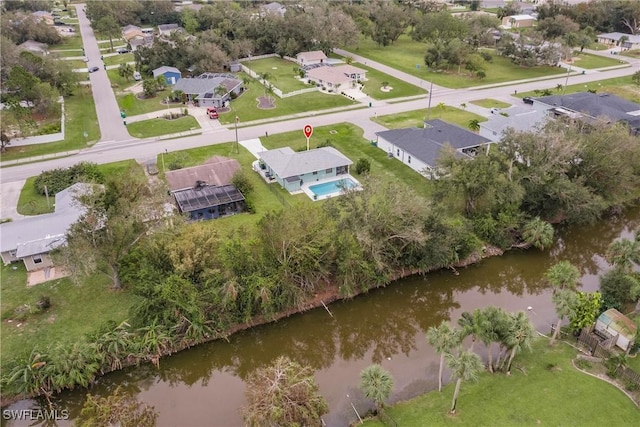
x,y
204,386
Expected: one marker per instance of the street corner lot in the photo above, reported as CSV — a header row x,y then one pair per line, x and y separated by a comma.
x,y
282,73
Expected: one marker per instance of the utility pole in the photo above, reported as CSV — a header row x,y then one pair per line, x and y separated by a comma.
x,y
236,122
566,81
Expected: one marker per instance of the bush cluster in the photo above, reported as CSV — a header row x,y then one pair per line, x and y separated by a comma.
x,y
57,180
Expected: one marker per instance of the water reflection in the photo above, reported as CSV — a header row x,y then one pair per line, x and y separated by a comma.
x,y
204,385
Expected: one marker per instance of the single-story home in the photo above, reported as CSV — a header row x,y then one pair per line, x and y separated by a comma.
x,y
216,170
336,78
131,31
43,16
34,47
168,29
31,240
518,21
291,169
311,58
140,41
204,201
203,89
521,119
631,41
171,74
613,324
591,107
273,8
420,148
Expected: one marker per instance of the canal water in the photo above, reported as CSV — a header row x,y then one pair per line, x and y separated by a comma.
x,y
204,386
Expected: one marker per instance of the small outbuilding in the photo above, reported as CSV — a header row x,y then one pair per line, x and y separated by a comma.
x,y
171,74
615,324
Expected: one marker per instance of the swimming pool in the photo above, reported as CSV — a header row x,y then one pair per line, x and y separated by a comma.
x,y
332,187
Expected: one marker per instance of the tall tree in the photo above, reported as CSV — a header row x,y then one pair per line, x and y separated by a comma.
x,y
563,275
444,338
376,384
564,300
108,26
464,367
283,394
521,333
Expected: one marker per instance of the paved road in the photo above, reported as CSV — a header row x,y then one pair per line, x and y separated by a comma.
x,y
111,126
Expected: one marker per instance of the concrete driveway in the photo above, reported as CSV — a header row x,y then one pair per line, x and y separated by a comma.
x,y
9,195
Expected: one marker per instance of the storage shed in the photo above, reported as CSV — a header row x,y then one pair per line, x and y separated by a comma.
x,y
614,323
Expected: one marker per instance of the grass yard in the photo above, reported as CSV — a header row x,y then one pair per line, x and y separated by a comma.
x,y
543,389
599,46
134,106
161,126
490,103
405,54
631,53
118,82
31,202
590,61
281,71
245,106
349,141
119,59
373,85
80,117
415,118
71,42
78,64
75,310
67,53
620,86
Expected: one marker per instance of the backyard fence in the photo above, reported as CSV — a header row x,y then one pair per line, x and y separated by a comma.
x,y
252,58
628,375
278,195
274,89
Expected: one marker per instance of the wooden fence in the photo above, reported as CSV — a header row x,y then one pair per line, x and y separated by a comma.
x,y
628,375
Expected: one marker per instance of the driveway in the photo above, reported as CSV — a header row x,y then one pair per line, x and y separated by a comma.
x,y
9,194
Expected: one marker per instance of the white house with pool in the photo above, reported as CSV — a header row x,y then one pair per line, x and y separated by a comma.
x,y
320,173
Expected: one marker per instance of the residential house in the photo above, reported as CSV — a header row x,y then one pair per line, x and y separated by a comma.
x,y
171,74
420,149
336,78
521,119
204,201
291,169
216,171
31,240
131,31
34,47
204,91
273,8
518,21
140,41
618,327
311,58
625,41
591,108
44,17
168,29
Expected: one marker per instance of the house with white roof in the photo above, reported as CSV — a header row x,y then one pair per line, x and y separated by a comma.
x,y
292,169
518,21
336,79
311,58
625,41
521,119
171,74
273,8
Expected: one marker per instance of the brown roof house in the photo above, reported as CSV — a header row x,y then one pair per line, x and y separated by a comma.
x,y
131,31
311,58
204,192
335,79
34,47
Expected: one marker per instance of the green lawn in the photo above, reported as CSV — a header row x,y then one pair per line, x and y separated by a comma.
x,y
119,59
589,61
405,54
631,53
599,46
245,106
72,42
348,139
80,117
490,103
415,118
77,64
620,86
281,71
75,310
157,127
543,389
31,202
67,53
118,82
134,106
375,78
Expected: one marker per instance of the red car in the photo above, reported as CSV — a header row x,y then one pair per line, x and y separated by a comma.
x,y
212,113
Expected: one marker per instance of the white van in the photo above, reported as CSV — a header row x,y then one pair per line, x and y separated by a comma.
x,y
137,76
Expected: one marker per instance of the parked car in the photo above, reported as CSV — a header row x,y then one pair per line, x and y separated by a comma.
x,y
93,69
85,59
527,100
122,50
137,76
212,113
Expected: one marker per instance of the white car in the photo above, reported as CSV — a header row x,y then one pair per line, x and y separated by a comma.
x,y
85,59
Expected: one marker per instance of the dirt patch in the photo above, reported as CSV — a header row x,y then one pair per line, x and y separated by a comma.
x,y
266,102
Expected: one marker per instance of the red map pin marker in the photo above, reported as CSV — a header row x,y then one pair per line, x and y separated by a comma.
x,y
308,130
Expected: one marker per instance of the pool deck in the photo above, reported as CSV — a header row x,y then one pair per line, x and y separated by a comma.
x,y
306,190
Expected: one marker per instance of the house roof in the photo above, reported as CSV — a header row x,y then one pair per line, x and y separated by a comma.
x,y
329,75
37,231
141,41
314,55
33,46
520,17
207,196
287,163
618,322
206,83
520,121
131,28
168,27
597,105
632,38
40,246
215,171
349,69
425,144
273,7
165,69
42,14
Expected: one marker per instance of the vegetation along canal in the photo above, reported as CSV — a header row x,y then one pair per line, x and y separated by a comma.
x,y
204,386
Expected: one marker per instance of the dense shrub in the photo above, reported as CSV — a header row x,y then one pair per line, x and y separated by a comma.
x,y
363,166
242,183
57,180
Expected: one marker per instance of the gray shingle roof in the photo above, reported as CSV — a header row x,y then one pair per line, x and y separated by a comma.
x,y
597,105
425,144
286,163
206,83
165,69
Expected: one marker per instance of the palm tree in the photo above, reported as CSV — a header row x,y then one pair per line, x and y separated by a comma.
x,y
376,384
564,301
465,367
474,125
538,233
469,324
444,338
521,333
489,325
563,275
624,253
125,70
